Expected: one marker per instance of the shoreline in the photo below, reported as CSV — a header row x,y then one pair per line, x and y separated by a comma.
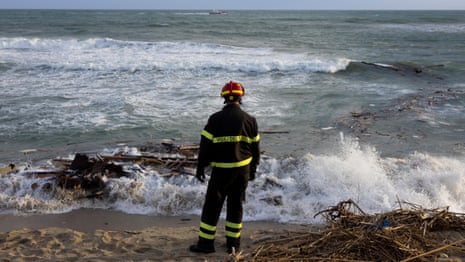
x,y
88,220
106,235
105,219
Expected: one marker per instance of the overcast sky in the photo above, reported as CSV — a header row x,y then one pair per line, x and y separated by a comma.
x,y
234,4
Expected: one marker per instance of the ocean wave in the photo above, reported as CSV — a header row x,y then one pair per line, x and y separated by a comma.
x,y
6,66
104,54
401,68
450,28
286,189
192,13
50,44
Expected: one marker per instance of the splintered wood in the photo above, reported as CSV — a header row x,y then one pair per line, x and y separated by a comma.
x,y
87,174
413,234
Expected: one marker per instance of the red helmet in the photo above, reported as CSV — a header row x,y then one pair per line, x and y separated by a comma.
x,y
232,89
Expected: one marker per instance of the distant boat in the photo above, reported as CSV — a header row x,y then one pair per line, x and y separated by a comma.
x,y
217,12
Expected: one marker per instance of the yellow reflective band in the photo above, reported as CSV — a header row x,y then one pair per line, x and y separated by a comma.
x,y
234,91
231,165
207,226
207,236
207,135
234,225
233,234
229,139
256,139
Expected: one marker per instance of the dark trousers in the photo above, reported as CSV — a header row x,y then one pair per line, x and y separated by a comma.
x,y
230,185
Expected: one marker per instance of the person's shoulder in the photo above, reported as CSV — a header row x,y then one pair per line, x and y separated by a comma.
x,y
216,114
247,114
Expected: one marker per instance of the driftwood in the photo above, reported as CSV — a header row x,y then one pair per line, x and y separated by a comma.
x,y
86,172
414,234
274,132
8,169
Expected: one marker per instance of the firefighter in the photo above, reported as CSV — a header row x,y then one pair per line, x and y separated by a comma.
x,y
229,143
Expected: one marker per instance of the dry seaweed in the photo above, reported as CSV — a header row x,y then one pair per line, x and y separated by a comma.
x,y
412,234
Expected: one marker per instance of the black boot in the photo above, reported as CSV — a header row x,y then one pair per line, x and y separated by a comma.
x,y
233,244
203,246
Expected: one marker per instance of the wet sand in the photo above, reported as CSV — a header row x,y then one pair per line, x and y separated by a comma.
x,y
103,235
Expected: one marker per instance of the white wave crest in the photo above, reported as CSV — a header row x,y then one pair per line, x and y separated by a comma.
x,y
294,190
286,190
104,54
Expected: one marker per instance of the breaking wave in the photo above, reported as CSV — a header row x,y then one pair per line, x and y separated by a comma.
x,y
286,189
105,54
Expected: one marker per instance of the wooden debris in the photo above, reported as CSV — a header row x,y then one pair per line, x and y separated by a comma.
x,y
414,234
274,132
87,172
8,169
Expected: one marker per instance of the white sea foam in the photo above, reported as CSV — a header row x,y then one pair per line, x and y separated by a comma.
x,y
112,84
311,184
286,190
131,56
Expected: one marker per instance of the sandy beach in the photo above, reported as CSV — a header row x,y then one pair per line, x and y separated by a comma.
x,y
103,235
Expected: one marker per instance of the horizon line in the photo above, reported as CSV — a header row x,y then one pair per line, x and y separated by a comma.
x,y
224,9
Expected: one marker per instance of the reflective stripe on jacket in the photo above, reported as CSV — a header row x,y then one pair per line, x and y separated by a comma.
x,y
230,139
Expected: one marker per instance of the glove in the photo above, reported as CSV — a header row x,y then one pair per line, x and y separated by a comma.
x,y
200,174
251,175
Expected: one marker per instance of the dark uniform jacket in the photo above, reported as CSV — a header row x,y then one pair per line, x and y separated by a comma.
x,y
230,140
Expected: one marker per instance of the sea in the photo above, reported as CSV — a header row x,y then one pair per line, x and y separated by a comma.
x,y
366,106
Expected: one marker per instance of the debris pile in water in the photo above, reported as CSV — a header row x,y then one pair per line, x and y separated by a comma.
x,y
87,172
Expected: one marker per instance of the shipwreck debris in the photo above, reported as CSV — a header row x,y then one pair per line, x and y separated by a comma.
x,y
10,168
89,172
